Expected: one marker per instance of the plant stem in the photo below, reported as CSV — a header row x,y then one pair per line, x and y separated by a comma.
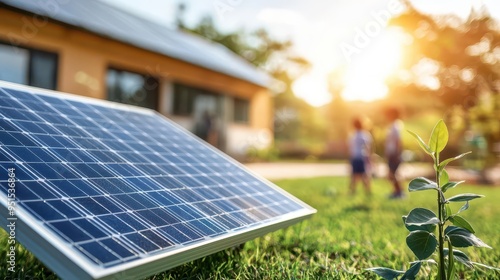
x,y
442,270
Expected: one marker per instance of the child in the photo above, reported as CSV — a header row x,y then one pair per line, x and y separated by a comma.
x,y
393,149
360,151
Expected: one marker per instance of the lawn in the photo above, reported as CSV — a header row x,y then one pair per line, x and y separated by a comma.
x,y
347,235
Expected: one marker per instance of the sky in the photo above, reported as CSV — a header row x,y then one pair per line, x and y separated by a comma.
x,y
350,34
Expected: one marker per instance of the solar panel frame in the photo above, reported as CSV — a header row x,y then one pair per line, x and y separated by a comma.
x,y
61,258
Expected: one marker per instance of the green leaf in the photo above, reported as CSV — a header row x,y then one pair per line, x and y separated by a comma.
x,y
461,237
445,162
464,197
421,216
428,228
421,142
461,222
412,272
444,178
421,184
422,243
460,257
450,185
485,266
439,137
386,273
463,208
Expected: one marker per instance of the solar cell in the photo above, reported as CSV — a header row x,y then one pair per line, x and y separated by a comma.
x,y
104,190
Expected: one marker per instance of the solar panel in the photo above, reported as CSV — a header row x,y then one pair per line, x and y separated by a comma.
x,y
103,190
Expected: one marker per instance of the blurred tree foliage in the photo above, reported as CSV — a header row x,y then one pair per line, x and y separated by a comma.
x,y
466,57
296,122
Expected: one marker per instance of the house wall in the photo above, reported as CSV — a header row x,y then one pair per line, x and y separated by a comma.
x,y
84,59
241,138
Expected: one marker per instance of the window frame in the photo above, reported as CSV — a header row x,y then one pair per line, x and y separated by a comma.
x,y
189,108
146,77
29,72
235,119
195,91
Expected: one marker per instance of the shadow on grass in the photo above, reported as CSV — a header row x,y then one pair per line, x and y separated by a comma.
x,y
362,207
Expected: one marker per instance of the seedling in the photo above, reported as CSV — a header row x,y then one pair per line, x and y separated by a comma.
x,y
452,229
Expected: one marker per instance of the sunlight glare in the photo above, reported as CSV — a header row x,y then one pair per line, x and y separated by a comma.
x,y
366,75
313,89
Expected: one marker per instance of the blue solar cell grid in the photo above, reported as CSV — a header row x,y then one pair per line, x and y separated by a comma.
x,y
117,184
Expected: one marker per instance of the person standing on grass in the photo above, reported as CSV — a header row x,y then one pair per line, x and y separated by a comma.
x,y
393,150
360,145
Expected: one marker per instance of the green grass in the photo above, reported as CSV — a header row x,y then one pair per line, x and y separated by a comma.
x,y
346,236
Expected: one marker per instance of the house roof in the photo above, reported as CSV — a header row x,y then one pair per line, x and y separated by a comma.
x,y
105,20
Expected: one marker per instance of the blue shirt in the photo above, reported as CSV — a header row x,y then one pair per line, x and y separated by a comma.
x,y
360,144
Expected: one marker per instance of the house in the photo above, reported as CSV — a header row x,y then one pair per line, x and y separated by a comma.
x,y
93,49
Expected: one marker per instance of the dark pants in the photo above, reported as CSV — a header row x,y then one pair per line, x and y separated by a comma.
x,y
358,166
394,162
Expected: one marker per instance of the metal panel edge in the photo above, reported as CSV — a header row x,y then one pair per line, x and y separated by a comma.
x,y
162,264
76,98
50,254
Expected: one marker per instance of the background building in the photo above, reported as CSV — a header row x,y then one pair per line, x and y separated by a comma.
x,y
92,49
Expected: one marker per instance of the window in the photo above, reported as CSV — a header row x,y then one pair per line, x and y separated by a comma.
x,y
241,110
191,101
27,66
132,88
184,98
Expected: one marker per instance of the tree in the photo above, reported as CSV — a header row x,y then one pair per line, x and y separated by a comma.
x,y
294,119
467,56
464,52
